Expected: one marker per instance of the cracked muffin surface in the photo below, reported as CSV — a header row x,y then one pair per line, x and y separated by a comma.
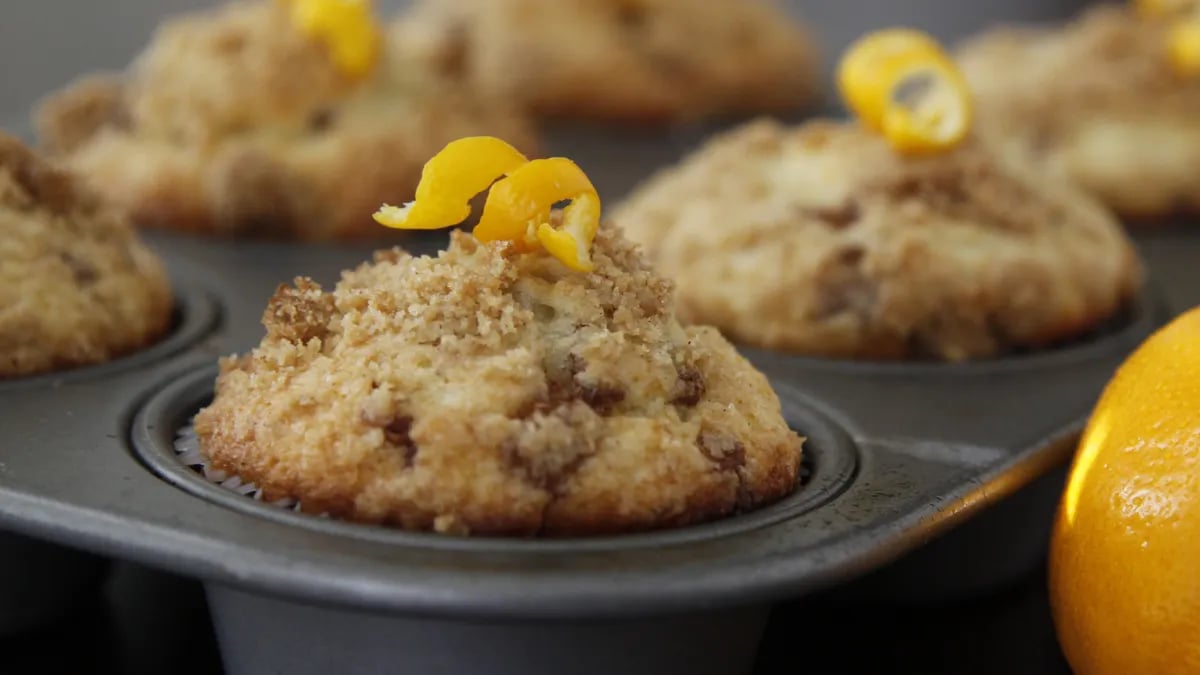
x,y
233,122
821,240
76,286
642,61
488,391
1097,101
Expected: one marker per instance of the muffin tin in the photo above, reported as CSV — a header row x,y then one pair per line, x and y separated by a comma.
x,y
39,580
897,453
1173,252
926,482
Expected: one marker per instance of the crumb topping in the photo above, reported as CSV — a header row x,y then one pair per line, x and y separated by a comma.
x,y
76,286
500,391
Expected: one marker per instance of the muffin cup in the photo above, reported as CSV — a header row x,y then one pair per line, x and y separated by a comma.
x,y
597,604
899,454
1173,252
193,317
40,581
990,404
259,634
314,637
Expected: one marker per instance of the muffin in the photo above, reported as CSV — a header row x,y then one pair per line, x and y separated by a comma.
x,y
625,61
236,121
491,391
1098,101
76,286
823,240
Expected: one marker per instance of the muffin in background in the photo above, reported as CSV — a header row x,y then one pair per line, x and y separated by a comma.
x,y
1099,101
238,121
625,61
822,240
492,391
76,286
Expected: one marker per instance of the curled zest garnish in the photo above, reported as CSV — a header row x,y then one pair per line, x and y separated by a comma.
x,y
463,169
519,205
518,209
1183,47
900,83
1166,8
347,28
1182,32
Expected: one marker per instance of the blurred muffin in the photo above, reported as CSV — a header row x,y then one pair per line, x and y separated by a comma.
x,y
1099,101
76,287
493,392
645,61
234,121
822,240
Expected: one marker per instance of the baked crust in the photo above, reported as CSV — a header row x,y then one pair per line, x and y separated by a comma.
x,y
821,240
495,392
631,61
233,123
1095,101
76,286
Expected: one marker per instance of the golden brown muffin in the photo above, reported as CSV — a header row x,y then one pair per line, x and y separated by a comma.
x,y
822,240
647,61
1096,101
234,122
76,286
495,392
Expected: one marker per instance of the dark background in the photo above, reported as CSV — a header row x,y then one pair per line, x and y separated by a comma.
x,y
148,623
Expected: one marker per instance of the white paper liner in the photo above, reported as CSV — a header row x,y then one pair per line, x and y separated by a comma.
x,y
187,447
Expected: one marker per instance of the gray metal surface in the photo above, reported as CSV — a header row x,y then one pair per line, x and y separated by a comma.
x,y
905,452
902,453
986,555
934,444
258,635
1173,253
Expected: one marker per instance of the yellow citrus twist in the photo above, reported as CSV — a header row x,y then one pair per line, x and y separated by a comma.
x,y
900,83
520,203
347,28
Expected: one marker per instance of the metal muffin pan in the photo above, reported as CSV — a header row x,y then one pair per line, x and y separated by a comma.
x,y
898,453
38,580
1172,251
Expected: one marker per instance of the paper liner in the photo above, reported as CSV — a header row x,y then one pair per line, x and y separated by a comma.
x,y
187,447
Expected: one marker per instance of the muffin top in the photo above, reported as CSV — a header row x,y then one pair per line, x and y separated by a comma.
x,y
234,120
76,286
493,391
623,60
1098,101
822,240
